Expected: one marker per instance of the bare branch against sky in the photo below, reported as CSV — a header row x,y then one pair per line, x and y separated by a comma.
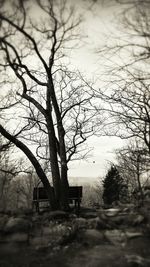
x,y
33,49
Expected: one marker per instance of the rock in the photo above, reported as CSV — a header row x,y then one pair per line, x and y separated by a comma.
x,y
22,213
56,215
116,237
60,229
102,225
3,221
93,223
118,220
127,206
56,234
18,237
136,260
92,237
133,234
63,234
90,214
17,225
80,223
72,216
126,219
69,235
106,222
101,214
96,223
39,242
47,230
139,219
112,212
113,218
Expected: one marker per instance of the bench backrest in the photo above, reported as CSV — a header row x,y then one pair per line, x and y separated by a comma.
x,y
39,193
75,192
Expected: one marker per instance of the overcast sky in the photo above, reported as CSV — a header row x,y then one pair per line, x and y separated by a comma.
x,y
98,26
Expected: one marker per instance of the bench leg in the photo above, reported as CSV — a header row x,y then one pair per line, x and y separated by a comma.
x,y
77,206
37,206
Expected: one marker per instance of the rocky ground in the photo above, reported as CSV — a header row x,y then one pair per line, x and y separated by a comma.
x,y
113,237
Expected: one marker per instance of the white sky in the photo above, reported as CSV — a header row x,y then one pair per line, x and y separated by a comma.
x,y
96,166
98,26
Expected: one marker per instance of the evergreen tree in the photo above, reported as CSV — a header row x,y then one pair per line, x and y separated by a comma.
x,y
113,186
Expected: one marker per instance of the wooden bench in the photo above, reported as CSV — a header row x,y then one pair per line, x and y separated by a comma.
x,y
40,195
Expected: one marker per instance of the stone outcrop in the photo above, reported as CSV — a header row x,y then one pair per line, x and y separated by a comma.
x,y
52,232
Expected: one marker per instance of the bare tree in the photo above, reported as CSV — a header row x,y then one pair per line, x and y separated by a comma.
x,y
48,109
8,171
22,190
126,91
133,163
15,177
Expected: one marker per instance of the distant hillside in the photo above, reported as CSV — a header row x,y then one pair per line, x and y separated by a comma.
x,y
84,180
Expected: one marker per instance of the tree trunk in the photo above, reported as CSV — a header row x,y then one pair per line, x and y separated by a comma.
x,y
138,178
62,149
54,161
64,169
60,182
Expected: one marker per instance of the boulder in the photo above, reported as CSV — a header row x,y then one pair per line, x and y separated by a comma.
x,y
80,223
38,242
118,220
111,219
52,235
133,219
105,222
72,216
93,223
101,214
91,237
131,234
56,215
18,237
3,221
136,260
17,225
89,215
112,212
139,219
116,237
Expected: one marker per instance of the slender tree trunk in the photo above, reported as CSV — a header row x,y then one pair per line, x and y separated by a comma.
x,y
53,147
138,178
64,168
54,161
